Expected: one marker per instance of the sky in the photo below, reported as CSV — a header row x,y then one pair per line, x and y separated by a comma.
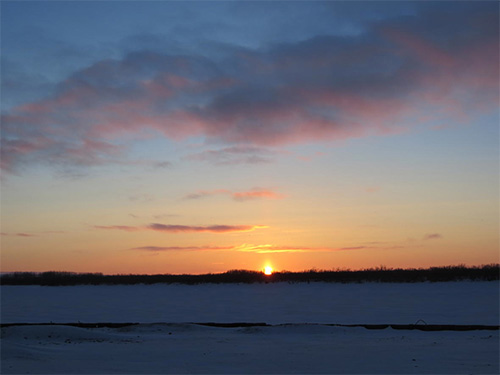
x,y
200,137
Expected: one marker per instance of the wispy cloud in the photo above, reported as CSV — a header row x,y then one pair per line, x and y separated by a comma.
x,y
125,228
141,198
37,234
163,216
356,248
169,228
206,193
211,228
240,196
239,154
256,193
267,248
263,248
181,248
162,164
25,235
433,236
260,249
372,189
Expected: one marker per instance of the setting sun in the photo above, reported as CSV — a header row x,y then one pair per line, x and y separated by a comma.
x,y
268,270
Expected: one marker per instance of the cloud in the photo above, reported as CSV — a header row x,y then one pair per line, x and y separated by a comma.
x,y
354,248
162,164
264,249
181,248
206,193
267,248
234,155
125,228
141,198
433,236
24,234
184,228
260,249
372,189
163,216
19,234
240,196
211,228
394,75
256,193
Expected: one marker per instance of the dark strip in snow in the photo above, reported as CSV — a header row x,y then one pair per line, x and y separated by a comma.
x,y
420,327
79,324
234,325
424,327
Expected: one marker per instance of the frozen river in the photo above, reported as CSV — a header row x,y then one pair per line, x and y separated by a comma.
x,y
369,303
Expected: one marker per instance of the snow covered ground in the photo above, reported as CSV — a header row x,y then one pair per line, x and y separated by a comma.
x,y
435,303
177,346
188,348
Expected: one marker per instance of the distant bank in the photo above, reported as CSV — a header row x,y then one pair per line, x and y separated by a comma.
x,y
490,272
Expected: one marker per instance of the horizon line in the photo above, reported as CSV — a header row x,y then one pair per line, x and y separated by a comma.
x,y
380,268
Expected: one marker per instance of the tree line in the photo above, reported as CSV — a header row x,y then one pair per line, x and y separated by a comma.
x,y
490,272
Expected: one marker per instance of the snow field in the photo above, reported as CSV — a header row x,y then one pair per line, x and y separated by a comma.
x,y
189,348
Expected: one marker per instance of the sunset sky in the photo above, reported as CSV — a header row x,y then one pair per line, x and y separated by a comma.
x,y
197,137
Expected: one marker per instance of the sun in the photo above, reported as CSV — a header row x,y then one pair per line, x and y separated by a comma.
x,y
268,270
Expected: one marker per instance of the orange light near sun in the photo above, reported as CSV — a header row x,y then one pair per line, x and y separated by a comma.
x,y
268,270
